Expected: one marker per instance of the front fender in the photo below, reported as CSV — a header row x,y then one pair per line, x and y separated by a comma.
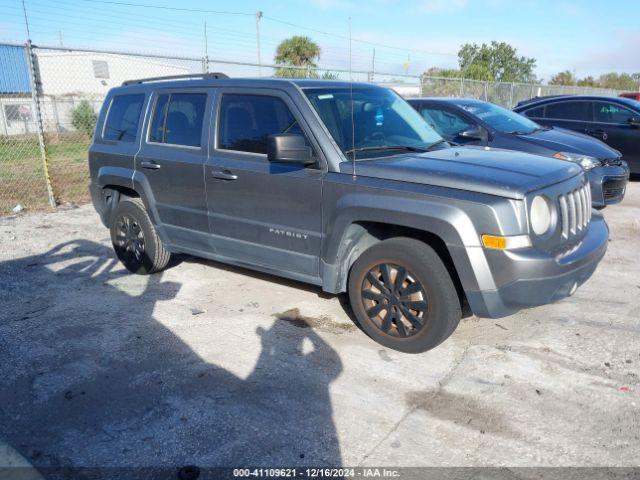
x,y
346,239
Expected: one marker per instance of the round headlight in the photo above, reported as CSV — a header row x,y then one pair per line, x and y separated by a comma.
x,y
589,162
540,215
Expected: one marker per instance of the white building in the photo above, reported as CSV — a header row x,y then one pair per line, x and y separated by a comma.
x,y
69,77
83,73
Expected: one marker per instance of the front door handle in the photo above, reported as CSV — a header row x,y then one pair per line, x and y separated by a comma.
x,y
150,165
223,175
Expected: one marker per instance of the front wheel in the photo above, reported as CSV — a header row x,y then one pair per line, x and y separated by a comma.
x,y
135,240
403,297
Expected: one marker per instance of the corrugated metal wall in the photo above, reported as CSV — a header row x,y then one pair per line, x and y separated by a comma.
x,y
14,71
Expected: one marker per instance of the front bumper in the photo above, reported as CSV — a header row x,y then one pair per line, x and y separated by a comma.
x,y
529,277
608,184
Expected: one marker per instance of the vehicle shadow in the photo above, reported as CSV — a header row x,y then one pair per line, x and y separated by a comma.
x,y
90,379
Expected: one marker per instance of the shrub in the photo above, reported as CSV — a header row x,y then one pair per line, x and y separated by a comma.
x,y
83,118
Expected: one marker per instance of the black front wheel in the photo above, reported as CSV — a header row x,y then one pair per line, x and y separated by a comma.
x,y
403,295
135,240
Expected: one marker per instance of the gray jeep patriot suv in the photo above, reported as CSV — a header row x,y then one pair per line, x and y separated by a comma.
x,y
340,185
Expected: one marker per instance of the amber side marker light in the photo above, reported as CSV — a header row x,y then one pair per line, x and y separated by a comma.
x,y
493,241
498,242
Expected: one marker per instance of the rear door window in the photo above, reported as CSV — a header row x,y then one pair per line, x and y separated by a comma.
x,y
569,111
605,112
178,119
246,121
123,118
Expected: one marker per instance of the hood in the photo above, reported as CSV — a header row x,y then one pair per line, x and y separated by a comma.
x,y
503,173
561,140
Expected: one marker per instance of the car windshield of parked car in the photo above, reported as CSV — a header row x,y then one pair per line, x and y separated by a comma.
x,y
501,119
635,104
379,123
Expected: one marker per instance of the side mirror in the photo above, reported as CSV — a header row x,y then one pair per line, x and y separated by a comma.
x,y
634,122
473,133
289,148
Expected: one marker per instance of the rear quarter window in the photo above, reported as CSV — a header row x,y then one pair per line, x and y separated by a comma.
x,y
123,118
535,112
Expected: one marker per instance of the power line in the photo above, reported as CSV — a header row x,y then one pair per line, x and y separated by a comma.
x,y
273,19
160,7
359,40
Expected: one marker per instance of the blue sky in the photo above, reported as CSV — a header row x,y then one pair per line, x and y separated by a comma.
x,y
589,36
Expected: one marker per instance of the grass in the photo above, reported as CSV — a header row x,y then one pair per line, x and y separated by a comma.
x,y
22,177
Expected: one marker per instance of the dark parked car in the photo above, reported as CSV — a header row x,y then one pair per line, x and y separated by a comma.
x,y
632,95
343,186
615,120
474,122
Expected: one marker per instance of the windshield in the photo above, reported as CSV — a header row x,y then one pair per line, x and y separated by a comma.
x,y
632,103
384,124
500,119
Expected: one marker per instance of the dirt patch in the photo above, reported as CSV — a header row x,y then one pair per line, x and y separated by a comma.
x,y
323,322
460,409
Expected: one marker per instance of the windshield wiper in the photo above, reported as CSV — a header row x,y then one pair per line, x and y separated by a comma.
x,y
407,148
435,144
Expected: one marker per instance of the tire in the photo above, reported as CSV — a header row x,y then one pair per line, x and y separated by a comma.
x,y
135,239
414,315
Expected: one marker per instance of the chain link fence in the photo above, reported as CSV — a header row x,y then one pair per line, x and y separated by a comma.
x,y
506,94
50,98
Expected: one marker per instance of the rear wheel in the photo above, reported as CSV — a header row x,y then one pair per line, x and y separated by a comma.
x,y
135,240
403,296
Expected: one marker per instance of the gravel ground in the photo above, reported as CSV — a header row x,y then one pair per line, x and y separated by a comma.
x,y
207,364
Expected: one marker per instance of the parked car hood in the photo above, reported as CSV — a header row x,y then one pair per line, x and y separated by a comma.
x,y
561,140
504,173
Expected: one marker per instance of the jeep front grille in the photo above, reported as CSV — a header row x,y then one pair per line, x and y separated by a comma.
x,y
575,211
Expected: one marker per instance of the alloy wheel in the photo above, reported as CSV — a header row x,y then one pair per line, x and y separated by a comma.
x,y
130,237
394,300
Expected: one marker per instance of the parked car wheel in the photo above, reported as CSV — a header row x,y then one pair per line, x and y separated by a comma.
x,y
403,297
135,240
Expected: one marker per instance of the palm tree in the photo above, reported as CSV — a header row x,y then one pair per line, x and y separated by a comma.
x,y
297,51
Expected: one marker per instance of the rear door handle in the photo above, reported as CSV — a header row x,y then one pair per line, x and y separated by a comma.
x,y
223,175
150,165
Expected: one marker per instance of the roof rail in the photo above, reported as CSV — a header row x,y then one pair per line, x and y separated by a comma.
x,y
204,76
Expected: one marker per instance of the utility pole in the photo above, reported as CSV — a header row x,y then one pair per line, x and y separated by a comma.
x,y
258,17
26,20
206,49
373,65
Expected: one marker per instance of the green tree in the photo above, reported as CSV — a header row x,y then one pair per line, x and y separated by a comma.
x,y
587,82
443,72
563,78
83,118
617,81
297,51
498,61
